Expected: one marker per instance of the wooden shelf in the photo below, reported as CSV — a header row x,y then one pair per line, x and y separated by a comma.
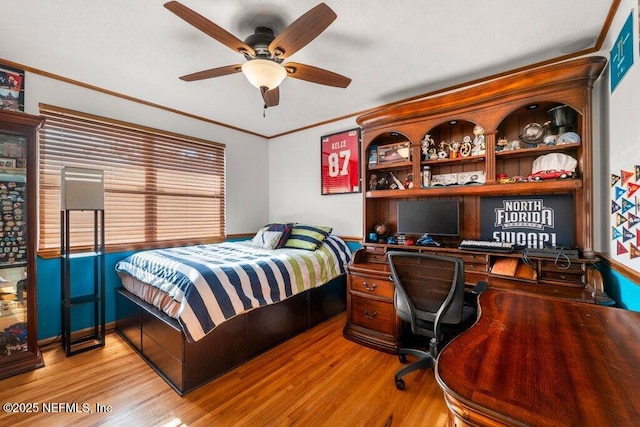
x,y
541,187
392,165
540,150
458,160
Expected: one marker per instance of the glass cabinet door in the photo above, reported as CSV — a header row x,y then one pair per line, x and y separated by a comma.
x,y
13,245
18,223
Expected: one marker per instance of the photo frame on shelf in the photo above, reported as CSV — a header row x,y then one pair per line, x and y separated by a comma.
x,y
11,88
340,162
392,153
6,162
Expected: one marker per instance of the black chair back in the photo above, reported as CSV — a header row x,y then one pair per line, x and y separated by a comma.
x,y
429,288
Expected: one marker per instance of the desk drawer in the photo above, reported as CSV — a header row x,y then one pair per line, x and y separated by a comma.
x,y
376,254
371,285
562,276
474,262
552,270
372,314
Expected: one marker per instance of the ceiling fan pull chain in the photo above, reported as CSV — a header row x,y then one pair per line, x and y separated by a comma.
x,y
264,111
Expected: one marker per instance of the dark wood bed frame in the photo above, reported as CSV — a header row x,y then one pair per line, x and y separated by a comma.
x,y
186,365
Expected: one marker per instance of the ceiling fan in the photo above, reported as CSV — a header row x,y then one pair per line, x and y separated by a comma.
x,y
265,52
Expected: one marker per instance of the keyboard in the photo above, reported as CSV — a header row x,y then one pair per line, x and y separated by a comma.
x,y
486,246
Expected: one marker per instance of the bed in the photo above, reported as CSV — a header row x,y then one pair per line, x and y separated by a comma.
x,y
196,312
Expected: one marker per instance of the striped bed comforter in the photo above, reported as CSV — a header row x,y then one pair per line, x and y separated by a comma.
x,y
216,282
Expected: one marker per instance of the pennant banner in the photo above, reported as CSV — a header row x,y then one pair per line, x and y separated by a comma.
x,y
626,176
614,179
622,249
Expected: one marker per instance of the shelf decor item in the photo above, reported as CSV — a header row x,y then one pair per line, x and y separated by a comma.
x,y
393,153
340,162
11,88
7,163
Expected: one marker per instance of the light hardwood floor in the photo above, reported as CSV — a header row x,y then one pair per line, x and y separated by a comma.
x,y
317,378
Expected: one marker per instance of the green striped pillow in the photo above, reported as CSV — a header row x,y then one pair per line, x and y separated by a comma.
x,y
309,237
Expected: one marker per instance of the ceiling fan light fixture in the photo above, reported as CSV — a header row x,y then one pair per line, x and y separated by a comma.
x,y
264,73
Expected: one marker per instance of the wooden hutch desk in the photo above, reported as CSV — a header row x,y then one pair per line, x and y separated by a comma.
x,y
502,108
536,360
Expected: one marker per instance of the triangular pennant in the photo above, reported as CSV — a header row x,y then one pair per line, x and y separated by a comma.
x,y
614,207
626,175
634,252
632,187
633,220
614,179
620,220
637,173
619,192
627,235
621,249
615,233
627,205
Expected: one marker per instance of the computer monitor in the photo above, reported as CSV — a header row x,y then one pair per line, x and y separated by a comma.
x,y
432,217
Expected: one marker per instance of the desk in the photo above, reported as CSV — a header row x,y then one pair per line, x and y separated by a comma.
x,y
536,360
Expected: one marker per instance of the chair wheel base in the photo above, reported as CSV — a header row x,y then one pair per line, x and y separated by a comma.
x,y
402,358
400,385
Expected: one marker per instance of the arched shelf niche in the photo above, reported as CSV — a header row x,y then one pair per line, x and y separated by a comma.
x,y
560,123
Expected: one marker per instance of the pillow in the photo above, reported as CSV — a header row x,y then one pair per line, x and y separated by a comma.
x,y
284,228
266,239
309,237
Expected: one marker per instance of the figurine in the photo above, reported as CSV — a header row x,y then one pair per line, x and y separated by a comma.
x,y
408,182
479,146
465,148
426,143
454,148
442,153
373,182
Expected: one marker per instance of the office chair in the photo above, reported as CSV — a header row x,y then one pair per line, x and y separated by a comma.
x,y
429,294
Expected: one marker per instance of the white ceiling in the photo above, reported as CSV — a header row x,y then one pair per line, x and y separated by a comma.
x,y
391,49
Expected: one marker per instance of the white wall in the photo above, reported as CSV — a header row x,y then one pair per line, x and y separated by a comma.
x,y
247,155
619,130
294,190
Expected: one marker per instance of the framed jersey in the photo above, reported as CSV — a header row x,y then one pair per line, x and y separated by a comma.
x,y
340,162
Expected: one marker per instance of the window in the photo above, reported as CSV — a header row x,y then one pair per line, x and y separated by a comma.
x,y
161,189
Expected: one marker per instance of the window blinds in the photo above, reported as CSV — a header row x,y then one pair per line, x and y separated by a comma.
x,y
161,189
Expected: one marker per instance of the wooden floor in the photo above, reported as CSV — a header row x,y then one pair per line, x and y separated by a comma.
x,y
315,379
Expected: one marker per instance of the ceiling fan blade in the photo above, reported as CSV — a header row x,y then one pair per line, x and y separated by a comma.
x,y
214,72
208,27
302,31
316,75
271,97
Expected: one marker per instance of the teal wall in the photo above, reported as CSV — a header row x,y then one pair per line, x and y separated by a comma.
x,y
625,292
49,296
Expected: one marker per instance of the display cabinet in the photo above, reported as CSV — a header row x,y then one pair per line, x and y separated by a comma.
x,y
482,141
19,350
